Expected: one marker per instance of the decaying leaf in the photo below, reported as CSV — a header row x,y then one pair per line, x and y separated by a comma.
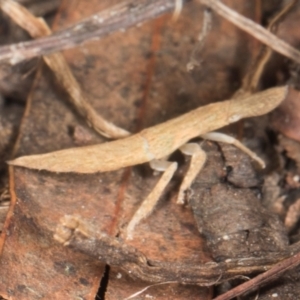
x,y
230,215
137,79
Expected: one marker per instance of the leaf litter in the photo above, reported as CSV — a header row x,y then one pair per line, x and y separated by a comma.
x,y
107,201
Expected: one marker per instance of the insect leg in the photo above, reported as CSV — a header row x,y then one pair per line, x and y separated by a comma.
x,y
149,203
224,138
196,164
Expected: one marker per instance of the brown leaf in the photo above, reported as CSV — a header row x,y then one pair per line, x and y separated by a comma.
x,y
230,214
130,79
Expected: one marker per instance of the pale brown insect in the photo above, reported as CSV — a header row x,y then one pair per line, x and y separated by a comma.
x,y
155,143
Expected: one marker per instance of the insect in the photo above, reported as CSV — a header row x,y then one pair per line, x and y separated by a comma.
x,y
154,144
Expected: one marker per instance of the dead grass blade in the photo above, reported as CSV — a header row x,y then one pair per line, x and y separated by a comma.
x,y
36,27
253,29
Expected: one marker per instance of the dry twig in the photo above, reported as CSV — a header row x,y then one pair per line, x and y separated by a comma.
x,y
252,78
119,17
274,272
36,27
128,14
254,29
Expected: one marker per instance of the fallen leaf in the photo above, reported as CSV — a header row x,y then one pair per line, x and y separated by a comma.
x,y
136,81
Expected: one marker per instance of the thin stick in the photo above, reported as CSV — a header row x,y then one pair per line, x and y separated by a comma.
x,y
252,78
127,14
206,26
253,29
36,27
119,17
263,278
